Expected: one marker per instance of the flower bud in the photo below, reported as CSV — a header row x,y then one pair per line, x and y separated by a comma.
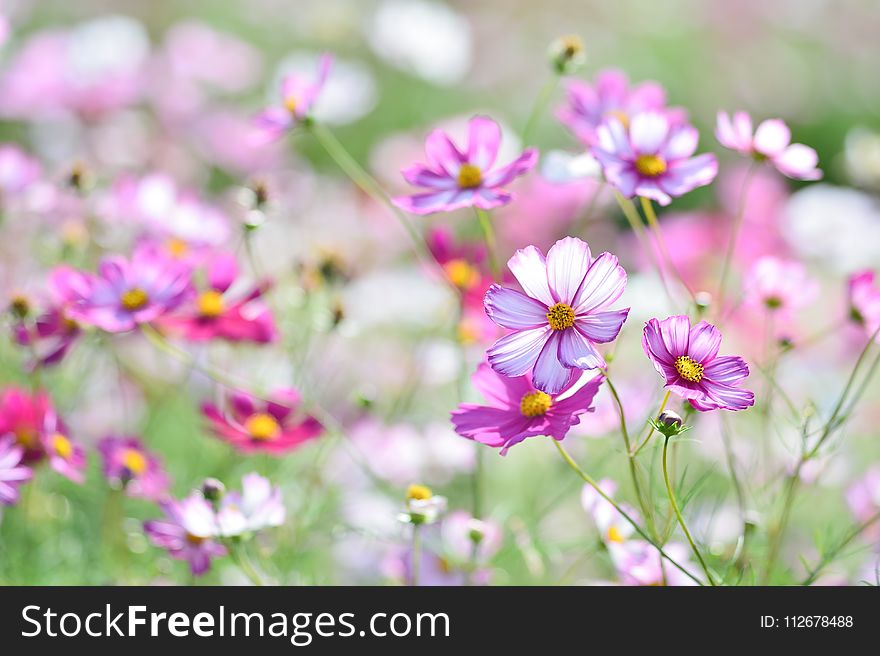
x,y
213,490
669,424
20,306
567,54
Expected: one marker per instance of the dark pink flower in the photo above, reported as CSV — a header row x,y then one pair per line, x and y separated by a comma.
x,y
252,426
687,357
464,178
517,409
27,417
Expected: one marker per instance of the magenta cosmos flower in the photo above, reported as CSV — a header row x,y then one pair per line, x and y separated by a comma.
x,y
49,337
611,96
12,473
187,532
464,178
770,142
28,418
687,357
125,292
272,426
652,157
518,410
218,314
66,457
298,96
564,312
128,464
864,301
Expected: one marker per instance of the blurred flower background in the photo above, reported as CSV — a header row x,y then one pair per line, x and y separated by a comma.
x,y
281,334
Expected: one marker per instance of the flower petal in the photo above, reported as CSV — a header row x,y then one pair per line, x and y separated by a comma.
x,y
703,342
576,351
421,176
515,354
529,268
512,309
675,332
727,369
602,285
771,137
549,374
500,391
442,153
484,137
602,327
648,132
506,174
799,162
568,261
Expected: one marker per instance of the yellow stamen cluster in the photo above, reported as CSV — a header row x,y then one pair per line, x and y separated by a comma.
x,y
535,404
210,303
177,247
620,115
689,369
62,446
614,535
134,299
560,316
650,165
461,273
290,104
134,461
418,493
262,427
469,176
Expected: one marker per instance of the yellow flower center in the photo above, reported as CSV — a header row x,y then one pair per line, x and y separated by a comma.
x,y
461,273
560,316
469,176
177,247
134,461
25,437
620,115
262,426
290,104
210,303
650,165
614,535
194,540
418,493
62,446
134,299
535,404
689,369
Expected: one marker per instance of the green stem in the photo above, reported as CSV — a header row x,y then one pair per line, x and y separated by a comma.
x,y
540,105
489,237
244,564
638,529
651,426
678,516
416,555
832,554
654,224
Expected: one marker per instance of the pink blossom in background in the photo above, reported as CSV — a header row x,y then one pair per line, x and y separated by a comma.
x,y
18,171
298,96
652,157
251,425
612,526
779,286
518,410
27,417
13,474
864,301
771,141
863,498
66,456
639,563
256,507
687,358
563,313
465,177
457,533
128,464
187,532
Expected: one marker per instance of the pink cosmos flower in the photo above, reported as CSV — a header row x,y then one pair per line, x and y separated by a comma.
x,y
863,498
51,336
456,533
611,96
217,314
563,313
770,142
128,464
864,301
687,357
613,527
28,418
464,178
66,457
780,286
298,96
125,292
639,563
256,507
652,157
12,473
518,410
254,426
464,264
18,171
187,532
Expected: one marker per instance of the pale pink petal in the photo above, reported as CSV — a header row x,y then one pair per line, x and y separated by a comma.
x,y
726,369
442,153
682,143
506,174
704,341
602,327
484,137
512,309
421,176
603,284
568,261
529,268
799,162
500,391
648,131
675,332
772,137
515,354
575,350
549,374
688,174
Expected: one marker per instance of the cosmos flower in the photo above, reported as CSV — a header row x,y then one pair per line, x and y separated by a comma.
x,y
217,314
464,264
611,96
563,313
422,506
518,410
125,292
18,171
613,528
12,473
687,357
66,457
780,286
771,142
639,563
652,157
28,418
50,337
864,301
187,532
128,464
258,506
460,531
464,178
298,96
274,426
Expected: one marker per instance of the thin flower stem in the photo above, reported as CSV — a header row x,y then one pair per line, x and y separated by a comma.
x,y
538,109
651,426
638,529
244,564
734,235
416,556
491,244
832,554
635,222
654,224
643,504
678,516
